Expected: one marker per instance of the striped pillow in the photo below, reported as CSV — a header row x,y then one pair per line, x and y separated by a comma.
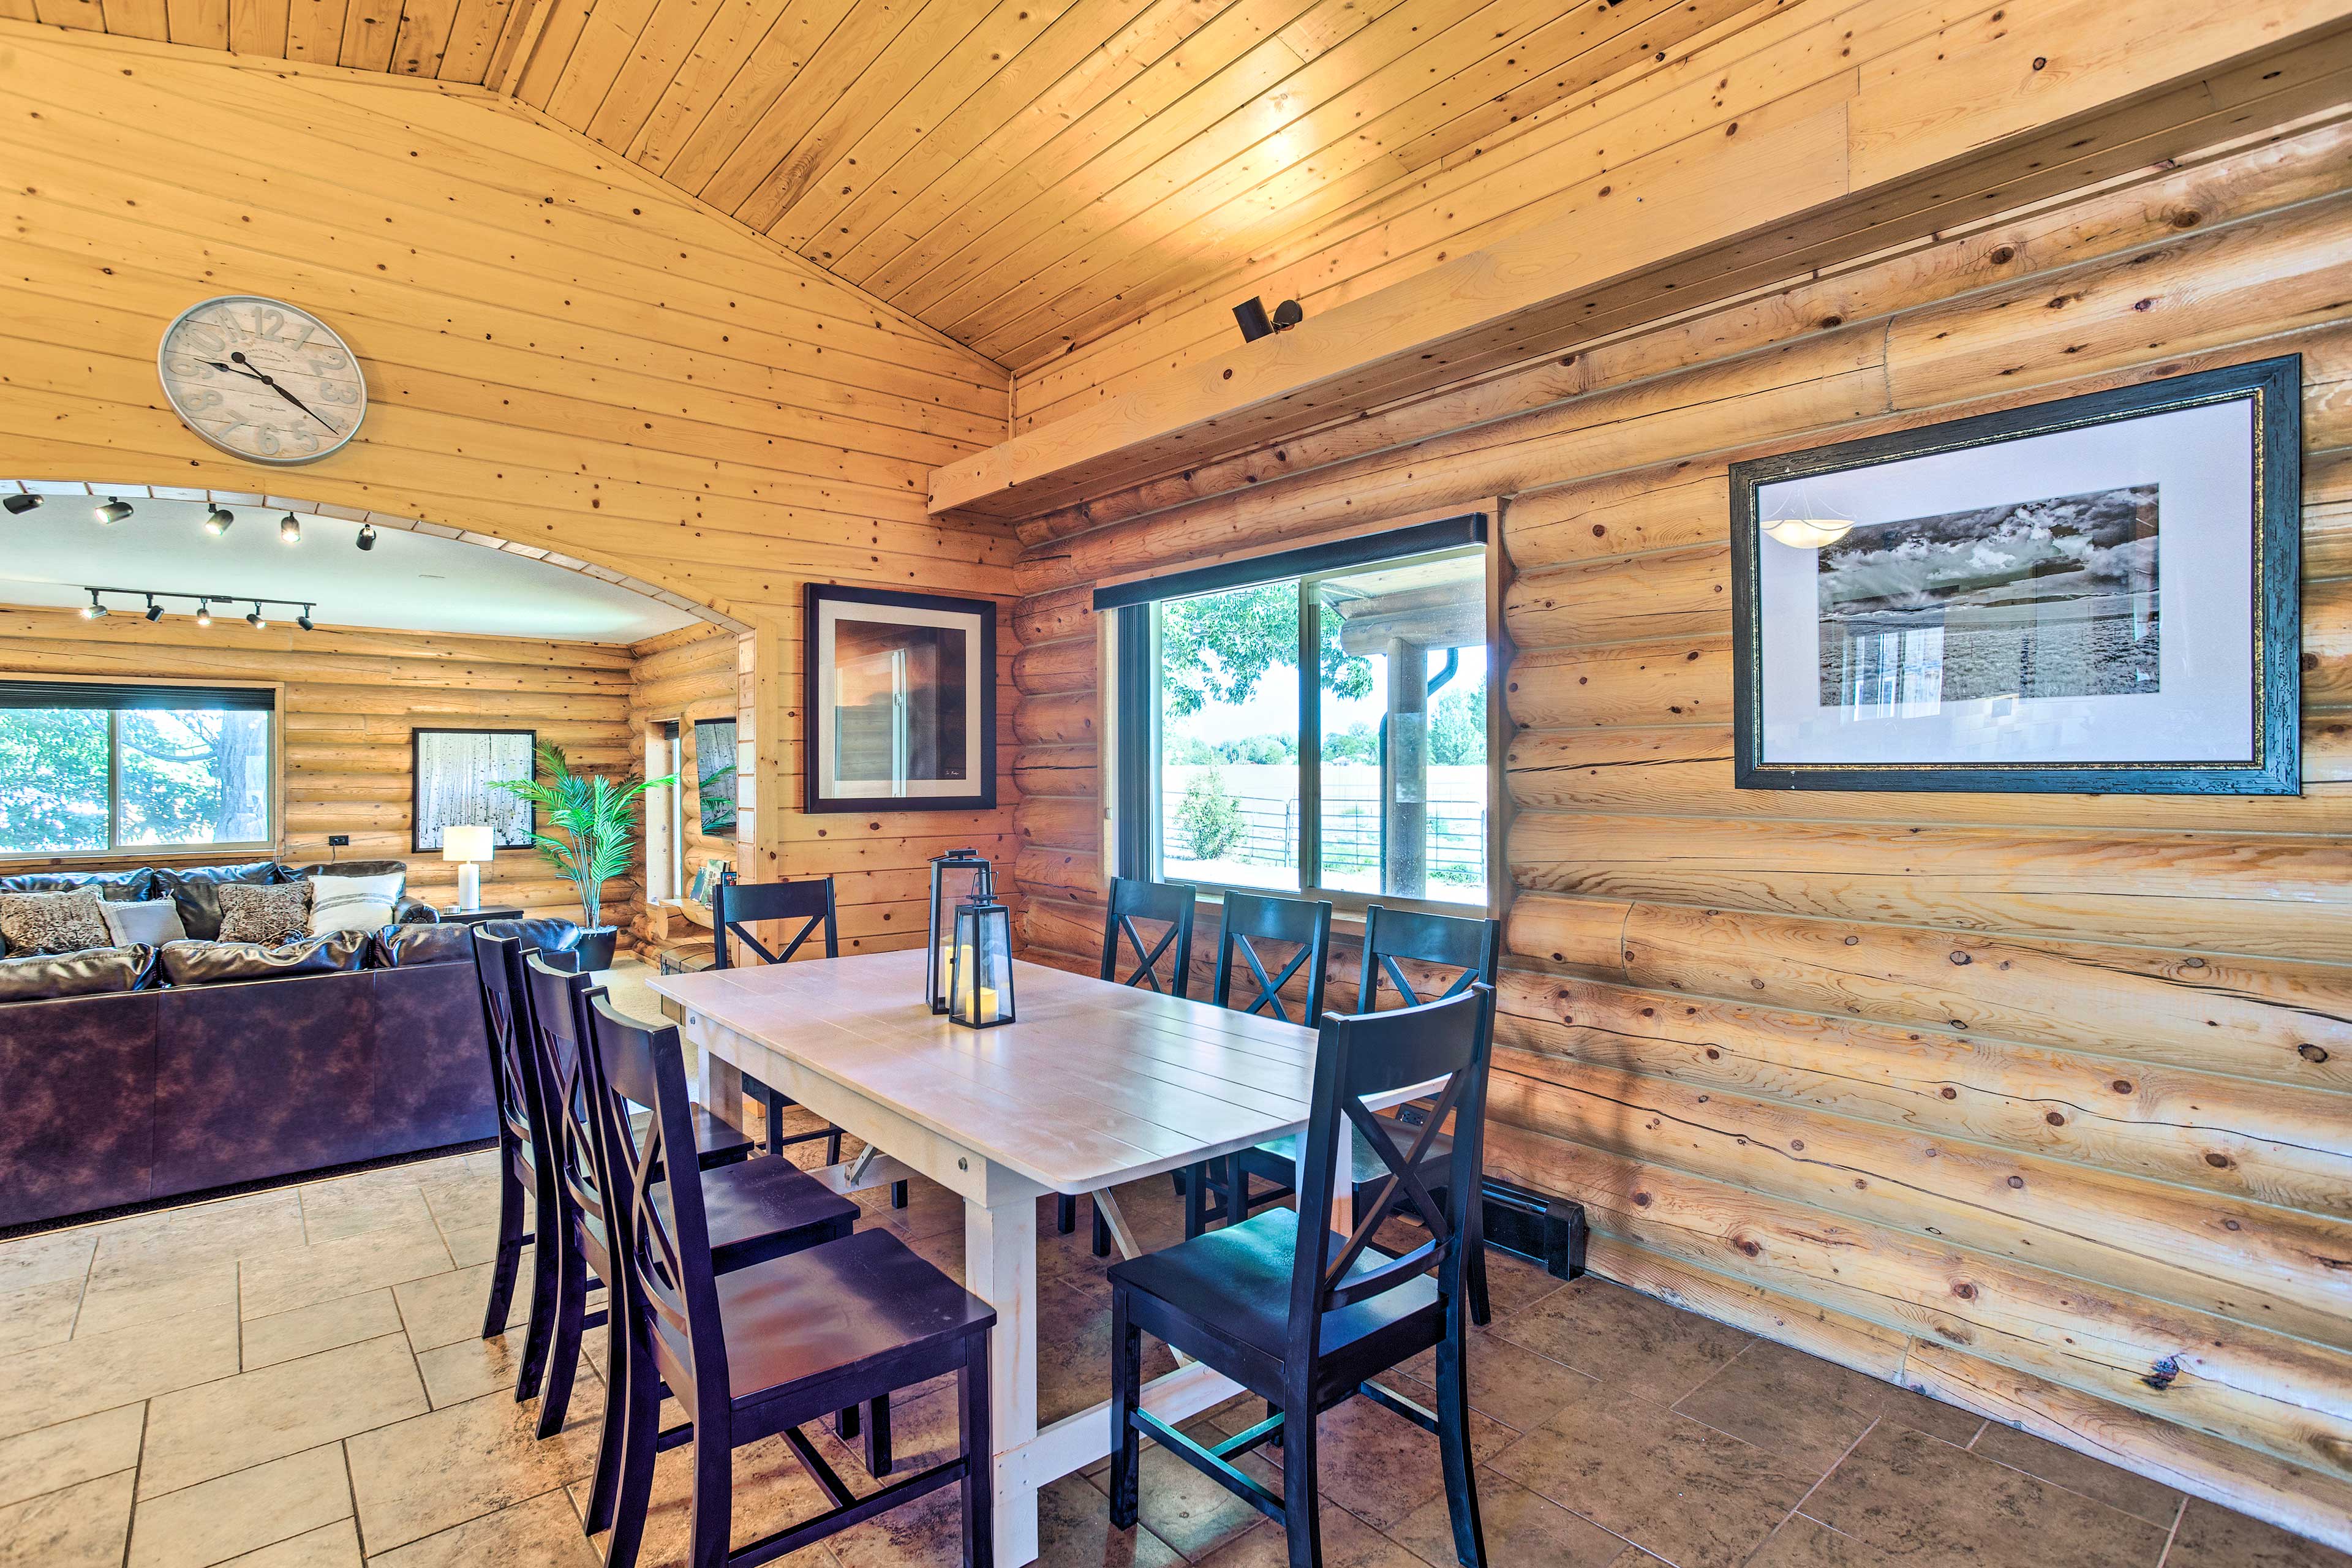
x,y
353,904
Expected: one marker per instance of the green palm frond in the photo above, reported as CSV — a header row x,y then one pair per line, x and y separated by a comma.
x,y
589,823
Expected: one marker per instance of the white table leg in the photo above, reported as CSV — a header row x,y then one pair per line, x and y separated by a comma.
x,y
1342,1217
1000,1261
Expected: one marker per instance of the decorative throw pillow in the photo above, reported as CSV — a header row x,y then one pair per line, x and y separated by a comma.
x,y
53,922
149,923
266,913
353,904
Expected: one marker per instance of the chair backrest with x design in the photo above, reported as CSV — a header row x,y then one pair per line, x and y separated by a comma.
x,y
739,905
1164,903
663,1240
1395,938
557,1002
1249,919
514,1067
1358,1056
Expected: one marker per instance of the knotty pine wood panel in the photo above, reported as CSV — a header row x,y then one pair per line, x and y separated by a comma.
x,y
353,698
1999,1128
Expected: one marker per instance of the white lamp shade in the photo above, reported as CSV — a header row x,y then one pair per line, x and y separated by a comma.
x,y
467,843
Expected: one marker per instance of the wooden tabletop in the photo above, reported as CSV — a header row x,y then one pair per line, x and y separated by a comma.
x,y
1093,1084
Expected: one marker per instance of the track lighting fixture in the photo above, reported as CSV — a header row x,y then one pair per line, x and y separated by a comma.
x,y
1287,315
154,610
255,620
204,603
290,530
19,505
92,610
217,519
203,612
303,620
1251,314
367,536
114,510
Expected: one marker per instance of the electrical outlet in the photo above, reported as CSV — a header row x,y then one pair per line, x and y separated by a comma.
x,y
339,841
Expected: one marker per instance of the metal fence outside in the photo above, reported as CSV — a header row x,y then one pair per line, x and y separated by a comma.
x,y
1351,836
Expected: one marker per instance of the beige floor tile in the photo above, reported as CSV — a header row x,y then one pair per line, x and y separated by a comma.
x,y
56,1257
541,1533
1074,1352
244,1511
1802,1542
2151,1500
442,1309
459,1197
120,1295
329,1325
1908,1495
56,1382
420,1477
80,1527
1685,1491
1378,1465
356,1205
1522,1530
771,1492
1638,1342
471,1367
335,1545
1507,1383
472,1244
1348,1542
1810,1411
2211,1537
1185,1508
70,1453
202,1233
221,1427
39,1315
1512,1284
301,1276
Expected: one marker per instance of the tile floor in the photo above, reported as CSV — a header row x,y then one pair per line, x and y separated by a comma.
x,y
295,1380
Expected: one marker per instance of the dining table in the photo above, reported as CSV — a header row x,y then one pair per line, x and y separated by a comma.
x,y
1091,1085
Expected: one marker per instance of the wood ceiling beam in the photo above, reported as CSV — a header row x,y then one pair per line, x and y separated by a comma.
x,y
2003,107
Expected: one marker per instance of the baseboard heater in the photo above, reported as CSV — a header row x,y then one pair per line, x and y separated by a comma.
x,y
1547,1231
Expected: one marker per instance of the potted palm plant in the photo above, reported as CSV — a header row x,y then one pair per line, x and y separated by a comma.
x,y
588,829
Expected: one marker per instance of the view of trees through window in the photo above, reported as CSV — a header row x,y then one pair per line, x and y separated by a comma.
x,y
1398,803
173,776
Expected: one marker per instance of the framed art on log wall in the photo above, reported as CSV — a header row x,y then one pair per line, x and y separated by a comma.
x,y
453,771
900,701
2096,596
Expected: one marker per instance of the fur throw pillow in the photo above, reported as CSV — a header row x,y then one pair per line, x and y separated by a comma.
x,y
268,913
53,922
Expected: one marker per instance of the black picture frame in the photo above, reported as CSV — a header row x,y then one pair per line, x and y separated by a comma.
x,y
416,830
980,701
2273,765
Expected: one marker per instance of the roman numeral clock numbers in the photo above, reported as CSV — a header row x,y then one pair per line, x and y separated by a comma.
x,y
262,380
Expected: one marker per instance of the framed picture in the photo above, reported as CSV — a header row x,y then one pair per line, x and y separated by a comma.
x,y
2097,596
453,771
714,775
900,701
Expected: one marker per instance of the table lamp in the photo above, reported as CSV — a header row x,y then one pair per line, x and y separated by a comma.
x,y
467,845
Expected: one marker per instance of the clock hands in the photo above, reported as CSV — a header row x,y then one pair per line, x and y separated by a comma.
x,y
244,367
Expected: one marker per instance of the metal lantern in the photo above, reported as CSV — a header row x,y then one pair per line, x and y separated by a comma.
x,y
954,877
980,971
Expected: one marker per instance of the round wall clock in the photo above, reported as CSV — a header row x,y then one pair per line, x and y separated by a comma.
x,y
261,380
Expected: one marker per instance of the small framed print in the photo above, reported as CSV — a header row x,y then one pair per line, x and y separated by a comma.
x,y
453,771
900,701
2098,595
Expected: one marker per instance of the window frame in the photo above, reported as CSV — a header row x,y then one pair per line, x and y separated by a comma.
x,y
1136,795
118,853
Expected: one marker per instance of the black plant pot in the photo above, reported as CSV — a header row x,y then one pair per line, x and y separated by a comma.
x,y
594,950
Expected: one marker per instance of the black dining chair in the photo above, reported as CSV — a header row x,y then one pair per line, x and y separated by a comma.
x,y
1166,966
766,1348
526,1167
735,908
1248,920
763,1207
1306,1319
1465,951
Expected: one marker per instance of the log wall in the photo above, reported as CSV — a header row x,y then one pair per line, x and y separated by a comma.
x,y
2041,1103
352,699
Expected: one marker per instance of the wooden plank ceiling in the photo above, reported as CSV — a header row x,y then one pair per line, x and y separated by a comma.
x,y
1022,176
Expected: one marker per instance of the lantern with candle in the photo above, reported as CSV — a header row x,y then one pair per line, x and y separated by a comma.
x,y
954,877
980,971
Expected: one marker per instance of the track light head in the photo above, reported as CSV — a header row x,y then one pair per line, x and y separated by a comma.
x,y
217,519
290,530
114,510
303,620
255,620
1287,315
19,505
154,610
92,610
367,536
1251,314
203,612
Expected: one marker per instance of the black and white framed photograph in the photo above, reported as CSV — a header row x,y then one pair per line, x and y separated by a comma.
x,y
454,769
2094,595
900,701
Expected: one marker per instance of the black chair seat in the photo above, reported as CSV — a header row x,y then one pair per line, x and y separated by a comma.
x,y
758,1210
808,1322
716,1141
1236,1283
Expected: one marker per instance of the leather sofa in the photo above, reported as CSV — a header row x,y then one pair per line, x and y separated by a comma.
x,y
126,1086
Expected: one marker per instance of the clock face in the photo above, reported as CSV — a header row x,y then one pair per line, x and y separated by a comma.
x,y
261,380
